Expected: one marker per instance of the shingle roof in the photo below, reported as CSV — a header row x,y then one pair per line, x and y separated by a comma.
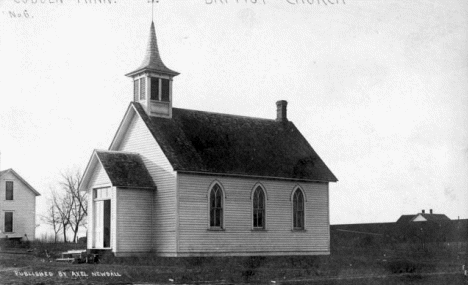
x,y
226,144
152,60
125,169
428,217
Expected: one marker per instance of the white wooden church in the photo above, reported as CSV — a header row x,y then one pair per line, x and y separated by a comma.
x,y
178,182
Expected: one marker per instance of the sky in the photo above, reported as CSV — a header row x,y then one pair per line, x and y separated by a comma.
x,y
378,88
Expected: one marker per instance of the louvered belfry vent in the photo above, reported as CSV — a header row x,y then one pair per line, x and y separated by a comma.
x,y
153,81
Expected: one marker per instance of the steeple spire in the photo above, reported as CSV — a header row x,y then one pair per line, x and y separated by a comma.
x,y
152,81
152,60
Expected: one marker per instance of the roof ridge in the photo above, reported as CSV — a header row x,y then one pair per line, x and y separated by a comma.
x,y
5,171
224,114
21,179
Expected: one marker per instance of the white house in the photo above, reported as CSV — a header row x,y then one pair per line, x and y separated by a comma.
x,y
17,207
178,182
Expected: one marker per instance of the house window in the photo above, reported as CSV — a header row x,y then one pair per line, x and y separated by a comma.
x,y
165,90
142,89
8,222
154,89
298,210
9,190
136,88
259,208
216,207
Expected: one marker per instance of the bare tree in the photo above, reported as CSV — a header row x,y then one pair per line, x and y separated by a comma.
x,y
63,202
79,205
52,218
69,207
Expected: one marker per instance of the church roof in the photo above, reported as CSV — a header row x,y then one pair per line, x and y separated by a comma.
x,y
125,169
204,142
152,60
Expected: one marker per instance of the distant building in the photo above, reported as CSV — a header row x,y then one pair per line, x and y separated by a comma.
x,y
17,207
424,227
178,182
423,217
420,230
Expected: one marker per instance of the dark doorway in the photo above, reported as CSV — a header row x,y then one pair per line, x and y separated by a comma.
x,y
107,223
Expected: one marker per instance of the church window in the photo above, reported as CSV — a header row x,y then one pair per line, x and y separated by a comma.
x,y
259,208
298,210
216,207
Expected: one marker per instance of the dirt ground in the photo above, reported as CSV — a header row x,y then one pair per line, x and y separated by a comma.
x,y
29,268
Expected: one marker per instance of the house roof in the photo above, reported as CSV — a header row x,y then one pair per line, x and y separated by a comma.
x,y
125,169
197,141
10,170
428,217
152,60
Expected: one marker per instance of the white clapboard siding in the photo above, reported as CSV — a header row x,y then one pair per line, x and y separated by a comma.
x,y
23,207
134,218
238,238
98,179
138,139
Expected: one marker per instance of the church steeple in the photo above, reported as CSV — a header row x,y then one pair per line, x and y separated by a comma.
x,y
153,81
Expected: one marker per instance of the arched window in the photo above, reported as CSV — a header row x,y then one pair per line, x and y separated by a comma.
x,y
298,210
259,208
216,207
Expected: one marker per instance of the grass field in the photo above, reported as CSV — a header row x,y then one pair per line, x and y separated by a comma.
x,y
344,266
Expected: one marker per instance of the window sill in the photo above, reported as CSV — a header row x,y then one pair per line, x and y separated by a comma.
x,y
216,230
298,230
259,230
